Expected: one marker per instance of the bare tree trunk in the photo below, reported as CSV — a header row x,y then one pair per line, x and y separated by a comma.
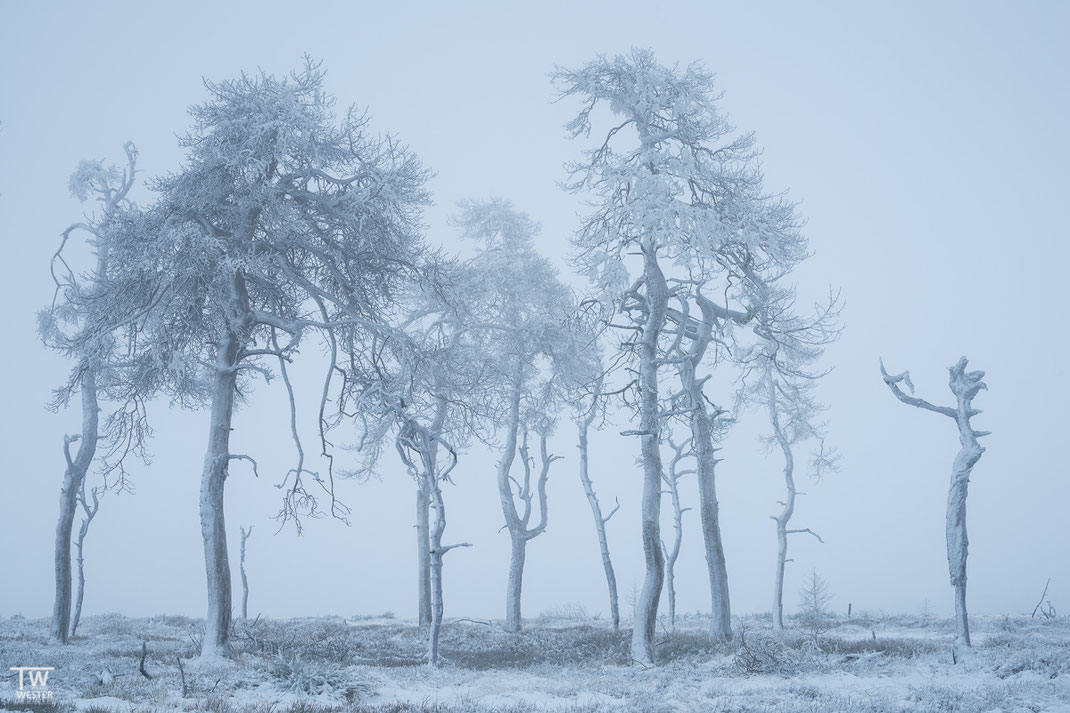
x,y
90,512
244,579
646,607
73,477
515,584
516,522
672,479
706,462
432,485
423,553
782,541
213,479
437,529
957,541
512,517
599,521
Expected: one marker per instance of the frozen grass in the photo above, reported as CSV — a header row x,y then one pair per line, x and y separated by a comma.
x,y
870,663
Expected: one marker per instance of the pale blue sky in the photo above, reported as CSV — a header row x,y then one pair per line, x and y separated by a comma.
x,y
926,141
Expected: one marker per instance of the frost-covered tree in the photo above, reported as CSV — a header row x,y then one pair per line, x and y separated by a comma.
x,y
780,377
679,214
965,385
527,321
101,378
283,220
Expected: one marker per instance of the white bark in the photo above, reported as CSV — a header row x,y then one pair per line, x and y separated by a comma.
x,y
702,424
244,579
89,512
423,553
672,479
213,523
965,385
73,479
518,522
599,520
646,606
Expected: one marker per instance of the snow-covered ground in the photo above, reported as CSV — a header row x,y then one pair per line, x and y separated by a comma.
x,y
331,665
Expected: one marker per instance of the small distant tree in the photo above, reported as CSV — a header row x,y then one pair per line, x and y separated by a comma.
x,y
965,385
814,598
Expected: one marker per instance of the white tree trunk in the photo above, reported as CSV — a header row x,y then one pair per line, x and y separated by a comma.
x,y
646,607
213,479
515,583
965,385
423,553
706,462
705,466
244,579
515,522
672,479
73,477
599,522
90,512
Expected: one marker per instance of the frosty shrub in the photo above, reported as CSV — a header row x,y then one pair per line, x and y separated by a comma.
x,y
316,678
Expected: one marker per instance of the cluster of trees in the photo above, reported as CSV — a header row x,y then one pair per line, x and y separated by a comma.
x,y
288,224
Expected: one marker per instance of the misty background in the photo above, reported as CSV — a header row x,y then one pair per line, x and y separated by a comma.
x,y
926,143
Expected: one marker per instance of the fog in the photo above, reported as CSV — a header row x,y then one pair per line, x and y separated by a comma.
x,y
928,148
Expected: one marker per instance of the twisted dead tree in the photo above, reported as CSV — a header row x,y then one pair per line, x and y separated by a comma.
x,y
965,385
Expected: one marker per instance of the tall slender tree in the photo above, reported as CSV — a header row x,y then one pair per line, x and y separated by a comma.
x,y
587,411
527,321
680,214
71,326
780,376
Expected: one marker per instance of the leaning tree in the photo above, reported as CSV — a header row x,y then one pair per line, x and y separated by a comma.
x,y
101,378
965,385
680,215
283,220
